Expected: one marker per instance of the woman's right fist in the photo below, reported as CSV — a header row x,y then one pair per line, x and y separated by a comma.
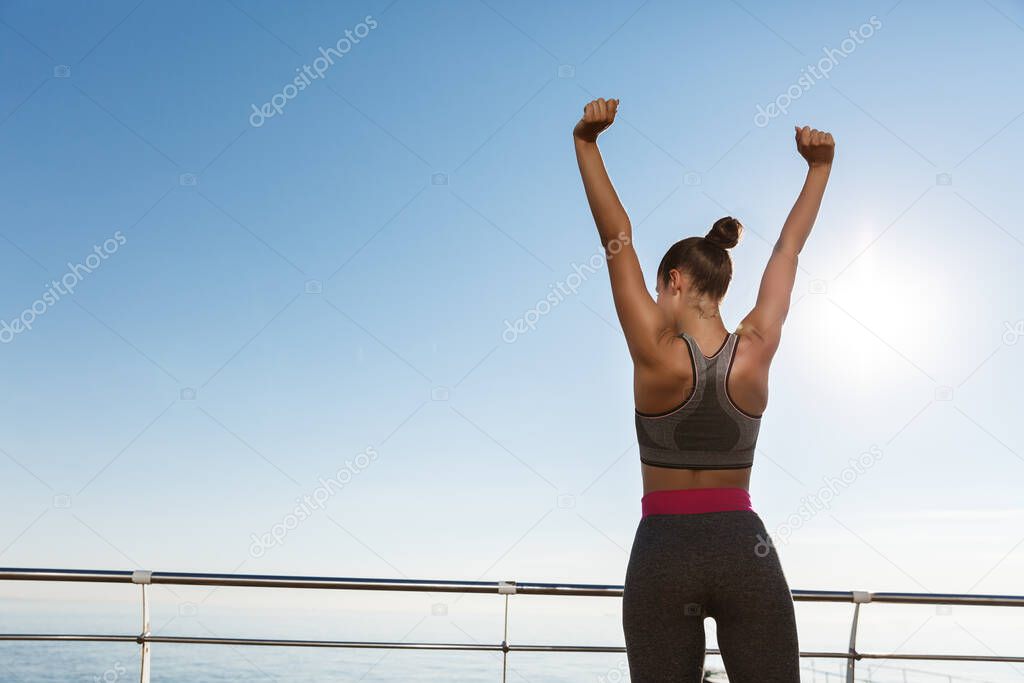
x,y
597,116
816,146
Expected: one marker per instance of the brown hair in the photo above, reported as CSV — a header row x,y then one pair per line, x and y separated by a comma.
x,y
705,259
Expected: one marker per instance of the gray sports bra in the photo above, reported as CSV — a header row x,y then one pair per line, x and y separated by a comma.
x,y
706,432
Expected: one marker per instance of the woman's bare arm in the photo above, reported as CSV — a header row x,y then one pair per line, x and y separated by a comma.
x,y
764,322
638,314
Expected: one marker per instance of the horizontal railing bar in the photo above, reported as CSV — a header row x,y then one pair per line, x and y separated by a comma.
x,y
949,599
462,647
69,637
353,644
32,574
431,586
271,642
946,658
322,582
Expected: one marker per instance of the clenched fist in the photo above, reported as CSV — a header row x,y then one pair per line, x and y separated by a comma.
x,y
816,146
597,116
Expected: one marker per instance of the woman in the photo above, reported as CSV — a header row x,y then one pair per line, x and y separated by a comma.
x,y
700,550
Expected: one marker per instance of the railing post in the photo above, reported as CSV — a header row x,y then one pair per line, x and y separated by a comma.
x,y
859,597
505,588
144,579
851,662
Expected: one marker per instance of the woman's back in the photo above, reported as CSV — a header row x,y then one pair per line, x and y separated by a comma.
x,y
706,434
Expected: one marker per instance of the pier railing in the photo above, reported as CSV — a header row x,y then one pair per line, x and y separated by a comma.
x,y
506,589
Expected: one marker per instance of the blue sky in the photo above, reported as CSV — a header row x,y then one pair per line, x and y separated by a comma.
x,y
339,279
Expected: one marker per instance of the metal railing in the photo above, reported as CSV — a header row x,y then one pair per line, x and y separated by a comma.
x,y
894,671
502,588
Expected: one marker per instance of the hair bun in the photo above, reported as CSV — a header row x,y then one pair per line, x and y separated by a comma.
x,y
725,233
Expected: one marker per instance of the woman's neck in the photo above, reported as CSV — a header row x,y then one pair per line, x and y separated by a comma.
x,y
702,324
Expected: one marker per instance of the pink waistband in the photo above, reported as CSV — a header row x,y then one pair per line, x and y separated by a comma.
x,y
690,501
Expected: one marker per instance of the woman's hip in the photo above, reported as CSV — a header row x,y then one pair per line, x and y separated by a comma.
x,y
697,533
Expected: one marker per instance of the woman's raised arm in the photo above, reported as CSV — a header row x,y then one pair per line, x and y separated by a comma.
x,y
764,322
639,316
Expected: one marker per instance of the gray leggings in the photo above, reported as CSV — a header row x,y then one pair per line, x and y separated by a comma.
x,y
686,567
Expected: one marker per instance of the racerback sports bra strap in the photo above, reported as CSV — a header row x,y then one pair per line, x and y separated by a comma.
x,y
706,431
